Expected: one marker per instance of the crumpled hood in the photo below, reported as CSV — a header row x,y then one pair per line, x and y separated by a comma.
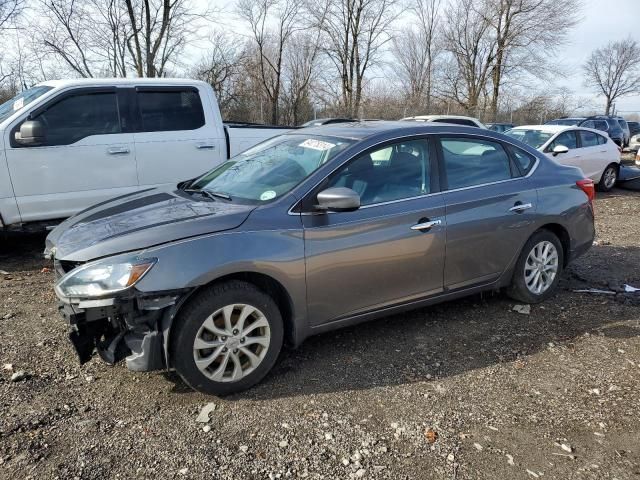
x,y
140,220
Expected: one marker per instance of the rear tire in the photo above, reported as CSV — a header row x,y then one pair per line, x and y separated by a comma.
x,y
227,338
537,271
609,178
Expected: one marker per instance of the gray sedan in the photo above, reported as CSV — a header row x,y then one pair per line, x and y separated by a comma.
x,y
312,231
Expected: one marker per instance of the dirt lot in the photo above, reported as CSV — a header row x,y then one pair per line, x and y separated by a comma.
x,y
502,390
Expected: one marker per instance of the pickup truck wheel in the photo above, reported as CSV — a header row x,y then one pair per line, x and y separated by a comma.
x,y
609,178
538,268
227,338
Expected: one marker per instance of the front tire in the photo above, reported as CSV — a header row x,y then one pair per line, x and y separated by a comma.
x,y
537,271
609,178
227,338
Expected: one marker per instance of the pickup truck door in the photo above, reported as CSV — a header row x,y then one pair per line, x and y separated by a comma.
x,y
86,157
176,137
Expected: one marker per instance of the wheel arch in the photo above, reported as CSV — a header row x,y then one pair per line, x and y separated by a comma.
x,y
563,235
264,282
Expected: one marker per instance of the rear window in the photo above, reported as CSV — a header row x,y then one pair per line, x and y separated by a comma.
x,y
470,161
170,110
588,139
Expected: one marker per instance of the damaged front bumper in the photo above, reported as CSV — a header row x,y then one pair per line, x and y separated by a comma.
x,y
133,327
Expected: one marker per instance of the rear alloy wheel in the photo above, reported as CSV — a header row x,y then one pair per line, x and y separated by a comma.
x,y
538,268
227,338
608,179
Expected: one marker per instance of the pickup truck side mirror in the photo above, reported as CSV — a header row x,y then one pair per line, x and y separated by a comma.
x,y
338,199
31,133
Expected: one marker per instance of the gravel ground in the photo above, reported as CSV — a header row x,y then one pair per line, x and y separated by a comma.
x,y
468,389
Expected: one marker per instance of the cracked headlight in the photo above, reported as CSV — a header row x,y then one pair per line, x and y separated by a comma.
x,y
100,279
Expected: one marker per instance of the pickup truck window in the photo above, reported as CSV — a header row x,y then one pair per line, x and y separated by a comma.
x,y
21,100
79,116
170,110
272,168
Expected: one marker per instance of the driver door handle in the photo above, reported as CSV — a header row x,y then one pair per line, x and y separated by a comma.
x,y
118,151
426,225
520,207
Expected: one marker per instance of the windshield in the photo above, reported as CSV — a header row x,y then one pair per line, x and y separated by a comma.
x,y
21,100
534,138
270,169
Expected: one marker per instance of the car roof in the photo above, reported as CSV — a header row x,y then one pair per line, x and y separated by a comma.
x,y
361,130
89,82
438,117
546,128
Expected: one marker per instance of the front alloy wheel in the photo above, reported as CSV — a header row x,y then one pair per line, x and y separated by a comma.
x,y
226,338
232,342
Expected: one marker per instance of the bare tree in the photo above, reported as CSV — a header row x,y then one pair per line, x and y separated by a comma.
x,y
221,68
614,70
355,32
473,49
526,32
9,10
415,50
271,42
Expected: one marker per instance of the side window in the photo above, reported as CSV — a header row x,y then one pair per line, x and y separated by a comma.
x,y
79,116
588,139
600,125
525,160
470,161
170,110
601,140
394,172
567,139
589,124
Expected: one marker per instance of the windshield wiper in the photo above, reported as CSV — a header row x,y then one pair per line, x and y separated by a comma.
x,y
208,193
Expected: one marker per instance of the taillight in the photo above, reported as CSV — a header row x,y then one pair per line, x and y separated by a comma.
x,y
587,186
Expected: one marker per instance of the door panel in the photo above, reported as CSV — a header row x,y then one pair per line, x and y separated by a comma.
x,y
174,142
483,233
387,251
362,260
489,212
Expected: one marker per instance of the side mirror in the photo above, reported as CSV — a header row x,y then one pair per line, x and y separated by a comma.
x,y
559,149
338,199
31,133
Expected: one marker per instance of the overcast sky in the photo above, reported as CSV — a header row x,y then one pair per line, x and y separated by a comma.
x,y
602,21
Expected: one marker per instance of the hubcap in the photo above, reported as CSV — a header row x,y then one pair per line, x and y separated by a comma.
x,y
609,177
541,267
231,342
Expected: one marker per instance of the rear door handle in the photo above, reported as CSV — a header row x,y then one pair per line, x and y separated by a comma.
x,y
118,151
520,207
426,225
205,146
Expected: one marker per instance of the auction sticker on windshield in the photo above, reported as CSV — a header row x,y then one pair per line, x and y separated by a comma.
x,y
317,144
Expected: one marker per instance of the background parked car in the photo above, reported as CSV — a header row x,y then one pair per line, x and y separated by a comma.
x,y
634,128
70,144
453,119
500,127
567,121
625,129
606,124
590,150
326,121
311,231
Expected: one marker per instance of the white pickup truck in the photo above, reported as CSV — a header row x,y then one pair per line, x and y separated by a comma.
x,y
69,144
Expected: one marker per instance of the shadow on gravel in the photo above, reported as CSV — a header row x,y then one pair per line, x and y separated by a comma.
x,y
18,252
